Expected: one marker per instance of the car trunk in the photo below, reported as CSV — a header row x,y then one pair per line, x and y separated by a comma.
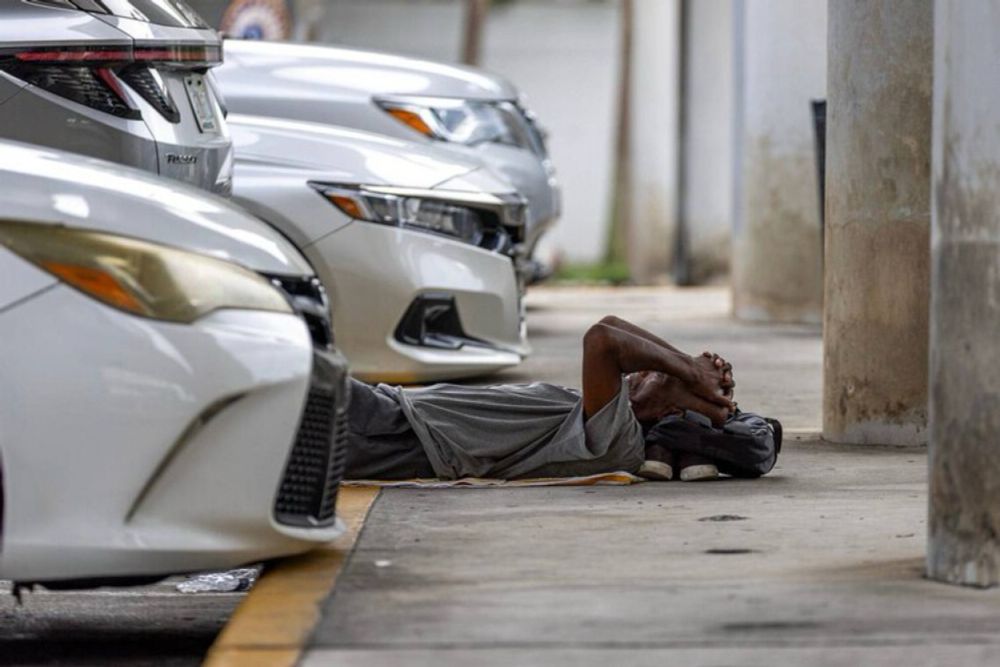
x,y
138,60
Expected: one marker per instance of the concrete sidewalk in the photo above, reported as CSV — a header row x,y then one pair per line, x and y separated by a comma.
x,y
818,563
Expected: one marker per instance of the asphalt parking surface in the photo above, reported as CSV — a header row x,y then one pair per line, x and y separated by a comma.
x,y
147,625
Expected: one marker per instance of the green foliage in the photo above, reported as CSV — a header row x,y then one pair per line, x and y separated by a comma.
x,y
601,273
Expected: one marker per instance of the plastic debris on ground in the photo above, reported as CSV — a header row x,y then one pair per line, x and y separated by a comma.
x,y
230,581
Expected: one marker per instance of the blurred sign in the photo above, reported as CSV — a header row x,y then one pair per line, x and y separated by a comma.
x,y
257,19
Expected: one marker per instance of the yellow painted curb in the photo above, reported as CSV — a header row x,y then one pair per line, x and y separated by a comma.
x,y
274,621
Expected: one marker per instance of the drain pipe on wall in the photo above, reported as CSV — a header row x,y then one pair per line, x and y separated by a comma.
x,y
682,237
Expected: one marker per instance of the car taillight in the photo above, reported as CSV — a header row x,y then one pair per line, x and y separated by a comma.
x,y
183,55
147,82
91,75
94,87
206,55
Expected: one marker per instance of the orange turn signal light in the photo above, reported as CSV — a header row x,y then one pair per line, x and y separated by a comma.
x,y
413,120
99,284
349,206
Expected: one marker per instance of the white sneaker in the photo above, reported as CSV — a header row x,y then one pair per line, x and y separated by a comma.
x,y
658,465
657,471
696,468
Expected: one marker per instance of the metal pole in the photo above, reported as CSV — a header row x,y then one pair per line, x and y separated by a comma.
x,y
682,249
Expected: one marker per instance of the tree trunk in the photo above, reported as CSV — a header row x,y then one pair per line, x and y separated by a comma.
x,y
472,38
309,18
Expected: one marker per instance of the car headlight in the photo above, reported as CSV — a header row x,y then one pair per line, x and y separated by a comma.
x,y
139,277
464,121
494,222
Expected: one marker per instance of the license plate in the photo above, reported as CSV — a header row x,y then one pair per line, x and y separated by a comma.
x,y
201,102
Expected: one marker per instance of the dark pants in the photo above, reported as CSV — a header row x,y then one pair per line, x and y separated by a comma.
x,y
380,442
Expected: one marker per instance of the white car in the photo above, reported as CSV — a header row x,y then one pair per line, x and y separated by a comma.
x,y
473,113
413,244
163,408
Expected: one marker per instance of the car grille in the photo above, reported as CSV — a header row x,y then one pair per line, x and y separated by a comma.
x,y
143,81
308,298
307,496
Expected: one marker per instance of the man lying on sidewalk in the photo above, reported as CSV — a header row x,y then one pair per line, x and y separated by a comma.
x,y
631,380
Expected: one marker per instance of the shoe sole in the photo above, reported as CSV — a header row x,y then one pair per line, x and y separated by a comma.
x,y
699,473
656,471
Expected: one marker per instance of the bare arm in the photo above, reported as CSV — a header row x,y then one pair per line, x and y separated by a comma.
x,y
708,357
608,352
625,325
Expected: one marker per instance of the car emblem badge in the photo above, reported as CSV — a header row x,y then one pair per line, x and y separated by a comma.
x,y
174,158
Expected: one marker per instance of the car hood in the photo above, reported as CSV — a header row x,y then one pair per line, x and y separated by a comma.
x,y
50,186
356,71
343,155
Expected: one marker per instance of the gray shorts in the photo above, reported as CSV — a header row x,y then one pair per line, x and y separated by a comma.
x,y
381,443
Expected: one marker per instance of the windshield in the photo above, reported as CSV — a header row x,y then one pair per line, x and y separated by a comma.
x,y
164,12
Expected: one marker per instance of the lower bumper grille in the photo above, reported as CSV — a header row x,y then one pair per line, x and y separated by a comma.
x,y
308,297
307,496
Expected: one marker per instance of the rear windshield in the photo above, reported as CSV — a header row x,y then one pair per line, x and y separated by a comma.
x,y
164,12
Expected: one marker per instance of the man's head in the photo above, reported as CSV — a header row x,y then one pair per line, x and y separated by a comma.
x,y
653,395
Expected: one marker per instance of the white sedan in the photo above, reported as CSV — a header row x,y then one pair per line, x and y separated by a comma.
x,y
163,408
414,244
469,112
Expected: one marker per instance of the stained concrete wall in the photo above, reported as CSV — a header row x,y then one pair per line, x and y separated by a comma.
x,y
877,221
965,297
654,134
708,149
777,264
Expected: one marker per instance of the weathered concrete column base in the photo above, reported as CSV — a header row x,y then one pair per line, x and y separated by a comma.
x,y
964,525
911,429
877,222
964,540
953,560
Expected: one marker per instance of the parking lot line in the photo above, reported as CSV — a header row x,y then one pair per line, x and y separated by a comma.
x,y
274,621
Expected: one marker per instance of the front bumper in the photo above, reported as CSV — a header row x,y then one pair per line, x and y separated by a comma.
x,y
374,273
136,448
307,496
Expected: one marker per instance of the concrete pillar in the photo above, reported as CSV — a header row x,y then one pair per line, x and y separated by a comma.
x,y
653,118
309,17
878,156
777,267
707,202
964,526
